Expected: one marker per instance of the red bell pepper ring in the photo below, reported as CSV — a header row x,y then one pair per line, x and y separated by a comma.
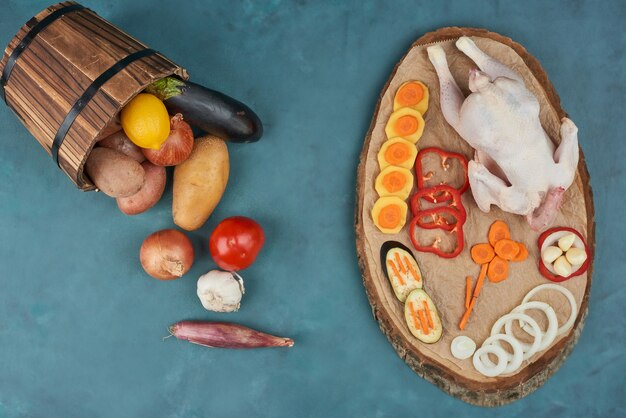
x,y
438,218
435,193
542,267
434,247
445,156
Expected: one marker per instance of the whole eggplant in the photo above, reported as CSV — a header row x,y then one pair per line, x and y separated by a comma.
x,y
208,110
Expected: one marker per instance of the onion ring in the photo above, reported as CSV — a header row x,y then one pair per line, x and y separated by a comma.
x,y
572,303
490,371
520,316
518,352
546,337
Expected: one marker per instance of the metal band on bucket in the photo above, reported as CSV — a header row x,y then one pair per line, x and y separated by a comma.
x,y
8,68
86,97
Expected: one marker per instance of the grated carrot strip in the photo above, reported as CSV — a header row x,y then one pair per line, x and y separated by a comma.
x,y
424,322
428,315
468,291
402,269
416,322
411,269
395,271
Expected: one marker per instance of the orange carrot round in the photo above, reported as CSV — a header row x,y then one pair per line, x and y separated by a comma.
x,y
498,270
498,231
507,249
389,216
482,253
406,125
397,153
522,254
394,181
410,94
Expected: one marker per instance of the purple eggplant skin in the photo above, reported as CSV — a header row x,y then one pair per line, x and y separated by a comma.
x,y
209,110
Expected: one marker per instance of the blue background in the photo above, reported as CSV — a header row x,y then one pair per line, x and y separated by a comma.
x,y
81,324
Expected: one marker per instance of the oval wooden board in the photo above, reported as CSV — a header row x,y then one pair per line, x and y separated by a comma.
x,y
444,279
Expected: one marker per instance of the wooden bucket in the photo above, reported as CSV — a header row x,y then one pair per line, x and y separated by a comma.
x,y
67,74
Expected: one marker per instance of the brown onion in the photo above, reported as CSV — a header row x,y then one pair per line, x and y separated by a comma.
x,y
149,194
176,148
167,254
120,142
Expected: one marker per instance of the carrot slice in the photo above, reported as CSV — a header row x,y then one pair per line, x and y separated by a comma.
x,y
482,253
423,321
410,94
395,271
497,231
406,125
394,181
468,291
416,322
428,315
389,216
522,254
397,153
498,270
467,313
412,269
399,261
481,280
507,249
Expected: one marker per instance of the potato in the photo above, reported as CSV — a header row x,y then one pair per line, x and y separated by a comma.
x,y
199,182
149,194
115,174
120,142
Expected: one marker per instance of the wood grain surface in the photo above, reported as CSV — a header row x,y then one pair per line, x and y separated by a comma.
x,y
492,392
58,66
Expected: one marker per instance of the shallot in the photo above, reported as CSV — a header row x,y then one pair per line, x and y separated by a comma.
x,y
225,335
176,148
167,254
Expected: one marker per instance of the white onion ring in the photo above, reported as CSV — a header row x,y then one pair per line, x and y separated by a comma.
x,y
546,337
572,303
523,317
518,352
490,371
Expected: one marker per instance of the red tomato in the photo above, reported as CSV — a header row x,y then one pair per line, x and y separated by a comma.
x,y
235,243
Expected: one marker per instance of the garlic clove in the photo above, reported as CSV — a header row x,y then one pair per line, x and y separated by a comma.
x,y
562,267
576,256
220,291
550,254
565,242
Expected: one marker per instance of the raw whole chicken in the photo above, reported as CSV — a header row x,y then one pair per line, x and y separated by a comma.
x,y
515,166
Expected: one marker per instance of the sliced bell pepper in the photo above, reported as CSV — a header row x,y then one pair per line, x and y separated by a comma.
x,y
440,216
457,229
430,194
422,177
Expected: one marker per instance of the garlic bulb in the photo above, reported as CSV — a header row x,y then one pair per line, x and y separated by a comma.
x,y
220,291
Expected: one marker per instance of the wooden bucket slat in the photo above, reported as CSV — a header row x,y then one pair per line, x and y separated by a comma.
x,y
60,64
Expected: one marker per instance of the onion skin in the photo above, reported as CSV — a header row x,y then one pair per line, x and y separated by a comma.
x,y
149,194
225,335
176,148
167,254
120,142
